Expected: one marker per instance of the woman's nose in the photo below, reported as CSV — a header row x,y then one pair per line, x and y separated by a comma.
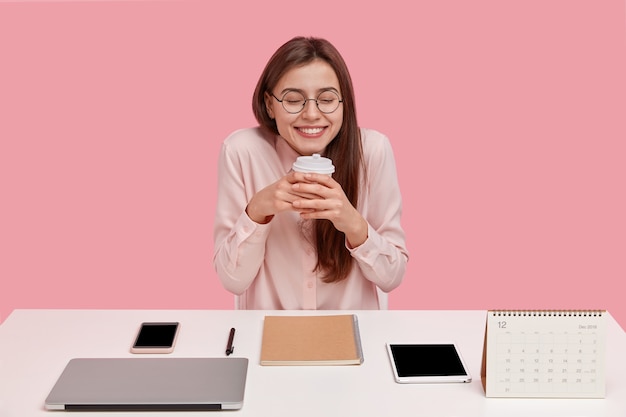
x,y
310,108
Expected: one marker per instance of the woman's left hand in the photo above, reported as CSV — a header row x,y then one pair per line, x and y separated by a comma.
x,y
328,201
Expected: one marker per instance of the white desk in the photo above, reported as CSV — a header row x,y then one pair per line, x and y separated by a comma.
x,y
35,346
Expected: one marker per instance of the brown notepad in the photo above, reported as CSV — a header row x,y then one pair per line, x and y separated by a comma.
x,y
311,340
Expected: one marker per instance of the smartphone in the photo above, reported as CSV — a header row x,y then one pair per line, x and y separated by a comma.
x,y
427,363
156,337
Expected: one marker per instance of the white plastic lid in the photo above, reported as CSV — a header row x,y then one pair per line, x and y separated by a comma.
x,y
314,163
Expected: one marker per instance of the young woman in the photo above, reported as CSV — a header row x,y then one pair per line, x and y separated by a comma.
x,y
290,240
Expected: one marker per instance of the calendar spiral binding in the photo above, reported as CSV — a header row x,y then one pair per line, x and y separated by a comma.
x,y
548,313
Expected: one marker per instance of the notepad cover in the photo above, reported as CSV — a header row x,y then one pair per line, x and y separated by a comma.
x,y
311,340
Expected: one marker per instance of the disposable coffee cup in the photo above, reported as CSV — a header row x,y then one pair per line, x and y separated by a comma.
x,y
314,163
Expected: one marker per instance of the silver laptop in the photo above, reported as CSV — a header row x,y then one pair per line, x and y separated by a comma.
x,y
150,384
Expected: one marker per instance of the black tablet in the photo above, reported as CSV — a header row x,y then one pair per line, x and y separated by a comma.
x,y
427,363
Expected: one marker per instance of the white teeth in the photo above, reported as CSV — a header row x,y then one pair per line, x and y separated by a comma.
x,y
311,131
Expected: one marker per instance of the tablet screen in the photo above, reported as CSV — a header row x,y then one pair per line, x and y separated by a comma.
x,y
427,363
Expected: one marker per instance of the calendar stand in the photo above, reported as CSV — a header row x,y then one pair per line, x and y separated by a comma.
x,y
544,354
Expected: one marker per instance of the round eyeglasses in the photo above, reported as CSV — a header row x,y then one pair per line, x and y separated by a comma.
x,y
294,101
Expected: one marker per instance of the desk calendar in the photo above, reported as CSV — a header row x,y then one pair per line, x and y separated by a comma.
x,y
544,354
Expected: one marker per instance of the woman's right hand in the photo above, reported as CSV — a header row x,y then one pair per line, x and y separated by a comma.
x,y
275,198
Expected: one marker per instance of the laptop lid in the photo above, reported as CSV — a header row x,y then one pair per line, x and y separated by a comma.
x,y
150,384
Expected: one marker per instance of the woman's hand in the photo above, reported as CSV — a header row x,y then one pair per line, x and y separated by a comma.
x,y
275,198
319,196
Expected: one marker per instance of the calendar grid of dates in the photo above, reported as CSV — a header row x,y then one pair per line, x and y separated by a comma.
x,y
550,362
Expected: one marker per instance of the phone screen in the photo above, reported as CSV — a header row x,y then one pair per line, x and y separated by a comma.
x,y
156,335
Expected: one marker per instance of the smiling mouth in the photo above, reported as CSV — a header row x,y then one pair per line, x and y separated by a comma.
x,y
311,130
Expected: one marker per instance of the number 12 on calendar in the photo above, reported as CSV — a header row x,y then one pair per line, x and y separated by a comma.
x,y
544,354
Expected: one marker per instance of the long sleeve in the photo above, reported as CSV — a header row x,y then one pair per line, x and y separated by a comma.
x,y
383,256
239,241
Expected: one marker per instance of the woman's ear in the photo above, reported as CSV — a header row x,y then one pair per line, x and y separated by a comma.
x,y
268,105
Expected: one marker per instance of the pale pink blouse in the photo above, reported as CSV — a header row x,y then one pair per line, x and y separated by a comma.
x,y
271,266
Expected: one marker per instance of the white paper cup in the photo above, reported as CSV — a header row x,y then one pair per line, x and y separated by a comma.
x,y
314,163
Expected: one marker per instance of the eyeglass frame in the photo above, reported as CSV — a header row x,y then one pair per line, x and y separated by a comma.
x,y
306,100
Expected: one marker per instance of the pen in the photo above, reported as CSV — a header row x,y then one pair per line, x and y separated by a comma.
x,y
229,347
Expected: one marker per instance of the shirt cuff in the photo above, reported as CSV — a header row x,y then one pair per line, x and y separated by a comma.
x,y
248,229
366,251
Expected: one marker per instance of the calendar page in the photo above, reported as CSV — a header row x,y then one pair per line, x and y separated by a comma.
x,y
544,354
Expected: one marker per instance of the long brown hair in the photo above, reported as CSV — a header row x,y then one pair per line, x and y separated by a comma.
x,y
333,259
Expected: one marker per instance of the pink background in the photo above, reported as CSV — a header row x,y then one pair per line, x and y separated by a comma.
x,y
507,119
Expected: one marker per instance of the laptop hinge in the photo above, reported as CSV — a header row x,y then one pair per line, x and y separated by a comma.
x,y
142,407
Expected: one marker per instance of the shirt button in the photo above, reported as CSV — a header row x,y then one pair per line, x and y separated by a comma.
x,y
309,285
